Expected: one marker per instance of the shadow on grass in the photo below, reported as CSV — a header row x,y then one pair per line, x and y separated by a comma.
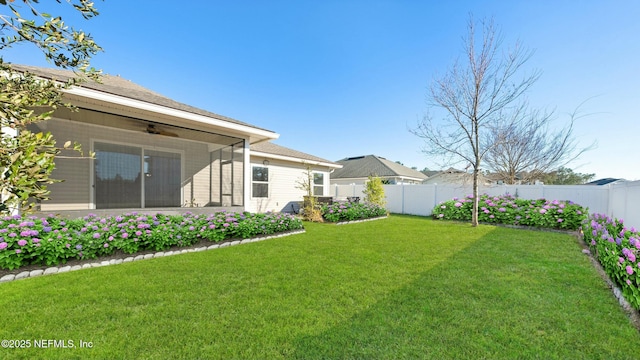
x,y
539,299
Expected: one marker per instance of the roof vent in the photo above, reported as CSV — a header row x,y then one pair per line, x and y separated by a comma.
x,y
355,158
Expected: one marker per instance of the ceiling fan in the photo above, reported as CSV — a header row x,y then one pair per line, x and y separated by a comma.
x,y
152,129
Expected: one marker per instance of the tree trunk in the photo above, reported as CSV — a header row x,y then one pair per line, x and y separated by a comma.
x,y
476,199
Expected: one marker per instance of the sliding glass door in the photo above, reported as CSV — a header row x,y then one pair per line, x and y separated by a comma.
x,y
117,176
134,177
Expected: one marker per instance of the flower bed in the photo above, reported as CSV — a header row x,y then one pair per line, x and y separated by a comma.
x,y
347,211
618,251
54,240
506,209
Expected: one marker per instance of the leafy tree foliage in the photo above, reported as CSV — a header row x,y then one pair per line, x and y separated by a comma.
x,y
26,158
374,191
566,176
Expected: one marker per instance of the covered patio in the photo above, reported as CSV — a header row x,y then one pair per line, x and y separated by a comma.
x,y
151,153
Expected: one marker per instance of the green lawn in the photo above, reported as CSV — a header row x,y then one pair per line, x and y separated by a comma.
x,y
402,287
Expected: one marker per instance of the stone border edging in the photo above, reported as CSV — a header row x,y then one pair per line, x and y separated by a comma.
x,y
63,269
362,220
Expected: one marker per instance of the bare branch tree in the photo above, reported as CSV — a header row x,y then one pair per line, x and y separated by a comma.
x,y
473,93
525,148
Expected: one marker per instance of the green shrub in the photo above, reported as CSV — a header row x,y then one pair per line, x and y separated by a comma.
x,y
374,191
347,211
506,209
618,251
52,240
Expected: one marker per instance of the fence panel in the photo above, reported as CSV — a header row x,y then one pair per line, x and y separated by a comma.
x,y
596,198
617,200
624,201
418,199
445,192
393,194
341,192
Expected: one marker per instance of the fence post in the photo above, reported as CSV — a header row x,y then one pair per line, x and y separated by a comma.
x,y
435,195
402,198
609,199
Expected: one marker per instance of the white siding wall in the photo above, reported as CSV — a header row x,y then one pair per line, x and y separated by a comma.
x,y
283,189
75,192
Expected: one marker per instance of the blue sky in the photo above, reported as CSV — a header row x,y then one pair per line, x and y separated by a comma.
x,y
341,78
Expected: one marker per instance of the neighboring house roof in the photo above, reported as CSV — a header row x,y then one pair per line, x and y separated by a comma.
x,y
604,181
430,173
453,176
365,166
115,85
274,151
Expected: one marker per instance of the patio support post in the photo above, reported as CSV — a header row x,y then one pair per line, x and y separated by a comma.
x,y
246,179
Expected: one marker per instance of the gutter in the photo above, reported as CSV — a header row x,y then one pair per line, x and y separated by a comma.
x,y
294,159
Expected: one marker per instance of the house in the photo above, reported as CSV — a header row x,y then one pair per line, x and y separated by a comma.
x,y
356,170
275,175
153,153
455,176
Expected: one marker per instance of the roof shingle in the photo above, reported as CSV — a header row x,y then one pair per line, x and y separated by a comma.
x,y
116,85
274,149
365,166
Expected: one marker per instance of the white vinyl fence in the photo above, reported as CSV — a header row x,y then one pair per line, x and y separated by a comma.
x,y
621,200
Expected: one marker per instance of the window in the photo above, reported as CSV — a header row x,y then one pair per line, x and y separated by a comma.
x,y
318,184
260,182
